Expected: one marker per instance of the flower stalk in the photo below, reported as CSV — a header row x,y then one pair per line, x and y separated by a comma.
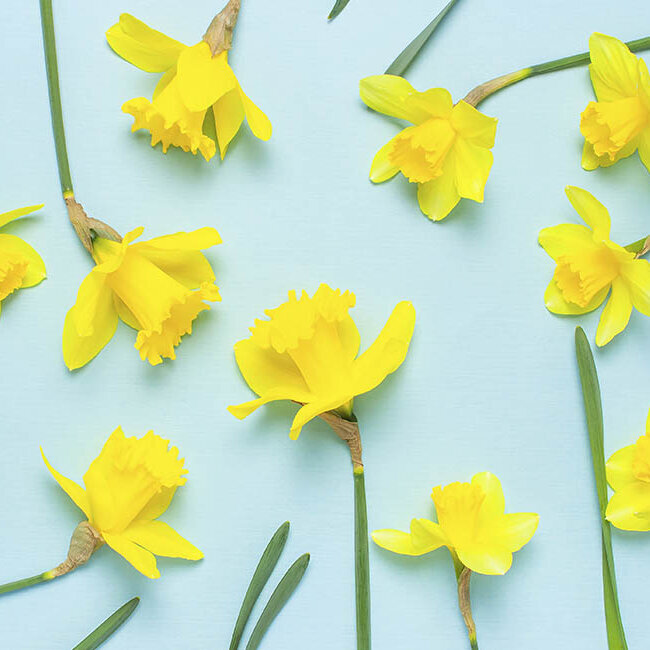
x,y
348,431
219,33
84,226
478,94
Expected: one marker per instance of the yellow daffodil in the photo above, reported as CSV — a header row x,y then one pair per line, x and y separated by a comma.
x,y
127,487
196,79
307,353
158,287
446,151
471,523
20,265
628,474
589,264
617,124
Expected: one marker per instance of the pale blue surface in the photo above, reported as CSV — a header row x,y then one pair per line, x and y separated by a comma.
x,y
490,382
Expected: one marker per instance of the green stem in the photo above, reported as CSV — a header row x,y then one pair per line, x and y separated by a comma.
x,y
26,582
478,94
362,565
51,68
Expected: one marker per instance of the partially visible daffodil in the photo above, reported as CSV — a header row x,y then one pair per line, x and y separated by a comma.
x,y
628,474
196,79
618,123
20,265
158,287
473,525
446,151
589,264
307,353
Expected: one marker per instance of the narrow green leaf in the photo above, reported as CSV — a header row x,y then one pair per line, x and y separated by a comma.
x,y
261,576
404,60
338,7
278,599
115,620
594,414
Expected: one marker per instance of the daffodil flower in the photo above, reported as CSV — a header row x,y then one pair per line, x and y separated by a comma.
x,y
589,264
618,123
20,265
158,287
196,79
628,474
306,352
473,525
446,151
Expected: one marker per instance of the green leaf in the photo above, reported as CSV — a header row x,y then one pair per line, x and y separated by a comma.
x,y
261,576
115,620
594,414
637,246
338,7
404,60
278,599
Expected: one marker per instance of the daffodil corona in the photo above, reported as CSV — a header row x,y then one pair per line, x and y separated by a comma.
x,y
20,265
473,525
618,124
197,79
589,265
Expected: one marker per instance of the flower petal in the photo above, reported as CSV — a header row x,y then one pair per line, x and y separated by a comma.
x,y
144,47
619,468
614,69
388,94
564,238
629,507
242,411
593,212
494,503
427,535
616,314
644,148
139,557
474,126
473,164
487,560
161,539
387,352
437,198
190,268
6,217
257,120
313,409
158,505
636,274
90,323
555,302
423,538
164,81
382,168
36,272
228,116
199,239
72,489
516,530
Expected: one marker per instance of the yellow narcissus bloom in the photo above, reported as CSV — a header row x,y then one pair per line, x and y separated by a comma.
x,y
589,264
617,124
158,287
194,82
127,487
472,524
446,151
307,353
20,265
628,474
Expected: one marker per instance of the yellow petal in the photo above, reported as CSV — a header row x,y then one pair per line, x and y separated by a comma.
x,y
629,507
437,198
427,535
644,148
593,212
555,302
146,48
314,409
474,126
560,240
614,69
194,240
636,274
280,393
140,558
616,314
435,102
125,314
203,78
389,94
486,560
164,81
257,120
90,323
473,164
228,116
387,352
36,267
516,530
619,468
190,268
6,217
158,504
382,168
72,489
161,539
494,504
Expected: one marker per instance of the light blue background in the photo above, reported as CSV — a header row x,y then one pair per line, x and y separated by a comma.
x,y
490,382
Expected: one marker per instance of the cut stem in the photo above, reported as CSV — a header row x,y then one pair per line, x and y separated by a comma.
x,y
465,605
26,582
362,564
478,94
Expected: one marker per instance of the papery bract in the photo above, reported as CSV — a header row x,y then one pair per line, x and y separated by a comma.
x,y
127,487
